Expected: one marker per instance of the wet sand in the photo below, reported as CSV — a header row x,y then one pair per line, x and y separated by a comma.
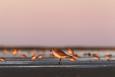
x,y
51,68
57,72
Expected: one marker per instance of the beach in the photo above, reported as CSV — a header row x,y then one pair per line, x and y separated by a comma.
x,y
56,72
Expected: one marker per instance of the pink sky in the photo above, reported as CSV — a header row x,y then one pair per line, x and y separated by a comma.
x,y
57,22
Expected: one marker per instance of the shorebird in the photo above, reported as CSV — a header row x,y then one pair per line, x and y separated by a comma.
x,y
23,56
36,56
14,52
108,56
71,52
88,54
5,51
2,59
61,55
96,56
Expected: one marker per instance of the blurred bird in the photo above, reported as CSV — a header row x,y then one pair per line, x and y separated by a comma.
x,y
108,56
71,52
2,59
96,56
88,54
14,52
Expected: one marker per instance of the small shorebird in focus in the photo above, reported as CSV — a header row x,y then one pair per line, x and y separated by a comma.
x,y
61,55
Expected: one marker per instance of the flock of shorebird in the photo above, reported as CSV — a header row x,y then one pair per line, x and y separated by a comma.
x,y
59,54
72,56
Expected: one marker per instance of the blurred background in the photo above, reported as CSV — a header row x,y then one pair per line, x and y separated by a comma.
x,y
57,23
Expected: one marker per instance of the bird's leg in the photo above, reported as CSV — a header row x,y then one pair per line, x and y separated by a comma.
x,y
60,61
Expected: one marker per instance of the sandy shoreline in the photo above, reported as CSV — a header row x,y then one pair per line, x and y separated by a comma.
x,y
57,72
